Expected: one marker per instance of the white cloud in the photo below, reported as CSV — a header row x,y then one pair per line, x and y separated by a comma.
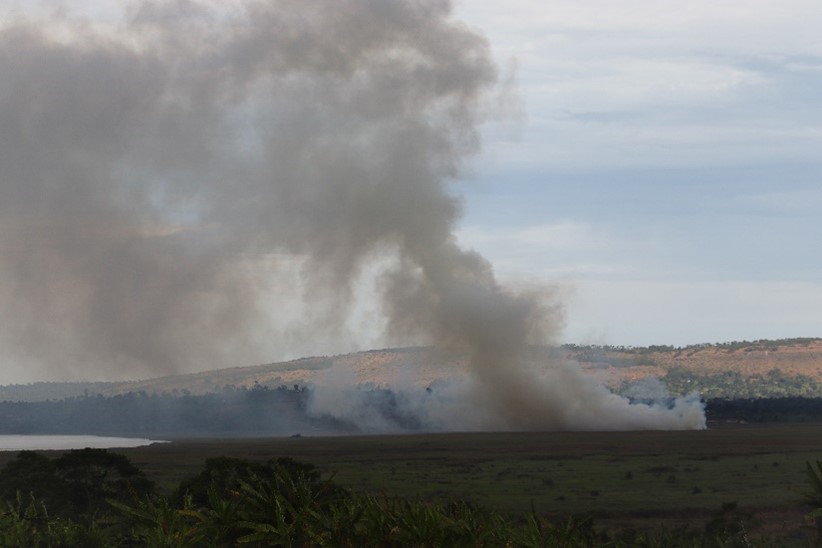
x,y
561,235
566,250
645,313
785,202
629,83
618,83
803,66
97,10
752,25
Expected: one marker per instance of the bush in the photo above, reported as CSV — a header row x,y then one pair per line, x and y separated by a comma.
x,y
76,484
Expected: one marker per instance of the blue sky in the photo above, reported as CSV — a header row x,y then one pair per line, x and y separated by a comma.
x,y
661,164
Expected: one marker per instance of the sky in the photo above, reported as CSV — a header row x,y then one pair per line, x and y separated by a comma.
x,y
656,163
661,164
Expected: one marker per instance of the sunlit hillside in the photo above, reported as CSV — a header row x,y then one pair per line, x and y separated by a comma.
x,y
613,365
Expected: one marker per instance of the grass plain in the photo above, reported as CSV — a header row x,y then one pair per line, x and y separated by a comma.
x,y
622,479
636,479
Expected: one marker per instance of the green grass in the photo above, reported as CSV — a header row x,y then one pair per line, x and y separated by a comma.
x,y
611,472
619,477
595,483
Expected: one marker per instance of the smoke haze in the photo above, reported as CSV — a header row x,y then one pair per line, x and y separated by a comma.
x,y
167,178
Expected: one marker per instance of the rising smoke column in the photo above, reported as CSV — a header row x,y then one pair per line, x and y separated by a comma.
x,y
155,168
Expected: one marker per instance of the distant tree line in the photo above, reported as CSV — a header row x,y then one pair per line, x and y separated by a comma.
x,y
254,411
281,411
787,409
233,411
733,385
40,391
760,344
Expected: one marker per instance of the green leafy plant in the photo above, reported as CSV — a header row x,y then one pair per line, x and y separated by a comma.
x,y
814,475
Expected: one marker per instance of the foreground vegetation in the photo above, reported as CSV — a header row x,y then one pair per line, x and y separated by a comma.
x,y
97,498
724,486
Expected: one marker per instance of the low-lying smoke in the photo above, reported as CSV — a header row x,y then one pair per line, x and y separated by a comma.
x,y
552,395
158,172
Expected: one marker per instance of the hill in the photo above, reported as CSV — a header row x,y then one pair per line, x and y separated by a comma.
x,y
791,357
779,361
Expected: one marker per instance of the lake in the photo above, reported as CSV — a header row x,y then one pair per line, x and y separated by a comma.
x,y
43,443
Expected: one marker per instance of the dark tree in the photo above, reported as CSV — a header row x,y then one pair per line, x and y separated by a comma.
x,y
80,482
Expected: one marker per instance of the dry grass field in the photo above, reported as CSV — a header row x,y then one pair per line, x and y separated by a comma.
x,y
611,365
790,357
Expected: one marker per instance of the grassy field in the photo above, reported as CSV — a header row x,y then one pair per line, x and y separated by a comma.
x,y
626,477
622,478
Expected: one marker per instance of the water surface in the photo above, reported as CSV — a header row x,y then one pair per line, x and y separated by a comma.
x,y
42,443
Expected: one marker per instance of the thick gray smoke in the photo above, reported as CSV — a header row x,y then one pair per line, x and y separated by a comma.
x,y
157,173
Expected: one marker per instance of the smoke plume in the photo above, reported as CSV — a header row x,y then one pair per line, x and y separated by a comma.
x,y
162,173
